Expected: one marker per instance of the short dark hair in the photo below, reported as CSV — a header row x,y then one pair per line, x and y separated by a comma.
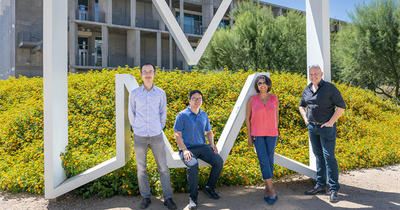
x,y
194,92
267,80
148,64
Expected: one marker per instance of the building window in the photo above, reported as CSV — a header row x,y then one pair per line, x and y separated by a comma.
x,y
97,51
83,54
96,11
83,10
192,23
224,23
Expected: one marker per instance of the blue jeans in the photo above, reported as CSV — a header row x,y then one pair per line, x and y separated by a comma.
x,y
205,153
323,142
265,148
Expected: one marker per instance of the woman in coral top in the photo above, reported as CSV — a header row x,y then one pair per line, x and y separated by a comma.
x,y
262,118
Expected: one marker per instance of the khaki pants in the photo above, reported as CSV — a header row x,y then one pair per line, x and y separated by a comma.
x,y
157,146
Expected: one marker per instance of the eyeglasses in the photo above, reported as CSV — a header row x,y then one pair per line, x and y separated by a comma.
x,y
196,99
260,83
314,74
147,72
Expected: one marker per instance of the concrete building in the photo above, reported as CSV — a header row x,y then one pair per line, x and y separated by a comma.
x,y
103,33
21,38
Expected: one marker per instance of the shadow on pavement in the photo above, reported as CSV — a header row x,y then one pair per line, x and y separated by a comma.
x,y
248,198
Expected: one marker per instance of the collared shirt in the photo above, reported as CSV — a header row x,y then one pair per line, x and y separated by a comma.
x,y
193,127
147,111
321,104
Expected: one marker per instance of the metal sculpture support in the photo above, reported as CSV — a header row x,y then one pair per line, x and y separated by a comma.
x,y
318,45
192,57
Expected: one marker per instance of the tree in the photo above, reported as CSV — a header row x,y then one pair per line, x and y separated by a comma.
x,y
368,49
258,40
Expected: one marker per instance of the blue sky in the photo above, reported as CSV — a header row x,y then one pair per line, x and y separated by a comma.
x,y
338,8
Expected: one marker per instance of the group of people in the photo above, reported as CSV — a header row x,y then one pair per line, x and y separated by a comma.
x,y
321,106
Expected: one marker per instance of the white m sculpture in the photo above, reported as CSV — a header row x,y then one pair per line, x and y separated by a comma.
x,y
56,96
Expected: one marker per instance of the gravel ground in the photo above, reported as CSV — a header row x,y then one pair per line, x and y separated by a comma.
x,y
377,188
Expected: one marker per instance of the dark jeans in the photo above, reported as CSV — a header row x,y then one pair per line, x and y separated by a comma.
x,y
323,142
205,153
265,148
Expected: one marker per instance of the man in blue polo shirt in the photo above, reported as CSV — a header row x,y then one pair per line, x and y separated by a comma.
x,y
190,126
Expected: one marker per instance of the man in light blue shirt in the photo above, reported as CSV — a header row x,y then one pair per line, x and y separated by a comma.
x,y
147,116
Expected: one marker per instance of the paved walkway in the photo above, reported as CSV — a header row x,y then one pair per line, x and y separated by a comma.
x,y
377,188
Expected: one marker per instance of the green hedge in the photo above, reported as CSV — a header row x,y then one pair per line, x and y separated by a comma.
x,y
368,132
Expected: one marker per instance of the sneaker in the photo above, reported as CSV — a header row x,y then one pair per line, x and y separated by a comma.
x,y
209,191
192,204
333,198
145,203
169,203
317,189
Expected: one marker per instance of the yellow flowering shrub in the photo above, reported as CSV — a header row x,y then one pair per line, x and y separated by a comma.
x,y
368,132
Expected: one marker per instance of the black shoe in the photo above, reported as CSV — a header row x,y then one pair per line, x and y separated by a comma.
x,y
169,203
317,189
210,192
333,198
145,203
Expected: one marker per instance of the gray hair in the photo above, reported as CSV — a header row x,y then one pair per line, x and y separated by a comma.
x,y
316,66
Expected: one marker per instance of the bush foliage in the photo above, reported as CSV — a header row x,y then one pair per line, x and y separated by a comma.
x,y
368,132
367,51
258,40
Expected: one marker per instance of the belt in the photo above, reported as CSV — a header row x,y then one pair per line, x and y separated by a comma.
x,y
316,123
